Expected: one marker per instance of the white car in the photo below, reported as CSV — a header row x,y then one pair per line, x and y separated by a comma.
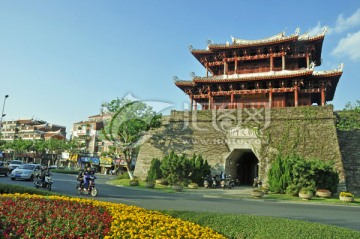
x,y
26,172
14,164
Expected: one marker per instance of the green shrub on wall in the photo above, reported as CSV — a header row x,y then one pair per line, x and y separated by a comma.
x,y
178,169
289,174
279,174
154,171
175,168
199,168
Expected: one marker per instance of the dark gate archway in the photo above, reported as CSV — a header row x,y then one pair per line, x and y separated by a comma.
x,y
247,168
242,164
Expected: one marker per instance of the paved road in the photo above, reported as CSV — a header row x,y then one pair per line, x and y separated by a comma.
x,y
234,201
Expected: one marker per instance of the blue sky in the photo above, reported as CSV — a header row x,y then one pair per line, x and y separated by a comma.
x,y
60,60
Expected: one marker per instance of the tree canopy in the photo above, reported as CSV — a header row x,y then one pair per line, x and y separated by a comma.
x,y
130,122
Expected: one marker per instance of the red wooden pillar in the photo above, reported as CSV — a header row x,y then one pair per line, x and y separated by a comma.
x,y
296,96
283,61
271,62
307,60
322,95
191,102
210,101
236,64
232,100
270,98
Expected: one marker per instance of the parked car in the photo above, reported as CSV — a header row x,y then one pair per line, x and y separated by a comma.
x,y
26,172
14,164
4,169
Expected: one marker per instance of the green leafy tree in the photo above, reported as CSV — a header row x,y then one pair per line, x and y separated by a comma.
x,y
349,117
130,122
19,146
55,147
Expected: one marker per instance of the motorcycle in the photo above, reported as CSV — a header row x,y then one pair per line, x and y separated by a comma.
x,y
214,182
47,183
91,189
206,183
227,183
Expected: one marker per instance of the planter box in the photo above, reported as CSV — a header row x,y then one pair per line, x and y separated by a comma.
x,y
346,199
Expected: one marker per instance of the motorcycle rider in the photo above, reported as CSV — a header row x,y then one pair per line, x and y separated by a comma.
x,y
87,173
80,177
43,172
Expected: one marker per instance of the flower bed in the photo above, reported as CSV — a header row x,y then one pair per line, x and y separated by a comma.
x,y
61,217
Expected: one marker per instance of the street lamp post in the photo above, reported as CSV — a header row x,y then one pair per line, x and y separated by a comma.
x,y
2,115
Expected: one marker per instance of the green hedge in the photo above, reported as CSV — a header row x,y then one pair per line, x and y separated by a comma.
x,y
9,189
248,226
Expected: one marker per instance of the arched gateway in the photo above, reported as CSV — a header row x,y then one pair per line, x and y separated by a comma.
x,y
243,161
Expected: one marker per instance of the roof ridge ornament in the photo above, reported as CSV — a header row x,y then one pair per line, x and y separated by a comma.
x,y
280,35
324,30
297,31
341,66
175,79
312,66
190,47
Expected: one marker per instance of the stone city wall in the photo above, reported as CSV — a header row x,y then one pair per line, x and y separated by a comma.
x,y
308,131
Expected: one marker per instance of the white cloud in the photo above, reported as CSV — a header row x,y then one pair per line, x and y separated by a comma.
x,y
348,46
343,24
316,30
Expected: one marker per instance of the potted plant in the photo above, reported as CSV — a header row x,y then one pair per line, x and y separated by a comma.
x,y
324,193
306,193
346,197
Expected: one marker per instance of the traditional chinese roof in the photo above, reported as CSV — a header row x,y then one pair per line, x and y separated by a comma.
x,y
261,76
275,39
308,73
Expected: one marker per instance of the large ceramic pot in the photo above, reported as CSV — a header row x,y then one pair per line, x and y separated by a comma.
x,y
346,199
177,188
306,196
323,193
257,193
149,184
134,183
193,186
160,181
